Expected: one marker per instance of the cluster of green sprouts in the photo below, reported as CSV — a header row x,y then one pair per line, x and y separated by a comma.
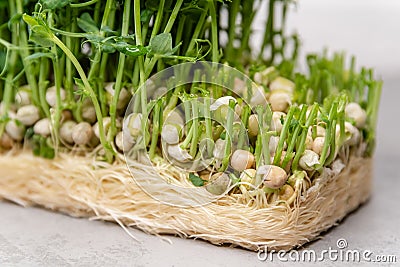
x,y
68,70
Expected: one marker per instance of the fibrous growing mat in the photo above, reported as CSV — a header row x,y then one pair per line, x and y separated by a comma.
x,y
81,187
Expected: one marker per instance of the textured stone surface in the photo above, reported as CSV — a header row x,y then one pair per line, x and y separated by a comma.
x,y
369,29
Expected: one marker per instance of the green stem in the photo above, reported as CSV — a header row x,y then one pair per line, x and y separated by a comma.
x,y
295,136
43,83
92,94
157,122
23,43
228,137
302,141
195,126
120,72
88,3
233,11
284,133
196,32
245,119
214,32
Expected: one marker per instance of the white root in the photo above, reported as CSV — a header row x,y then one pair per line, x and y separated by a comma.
x,y
28,115
42,127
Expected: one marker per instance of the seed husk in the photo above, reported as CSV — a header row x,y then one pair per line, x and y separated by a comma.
x,y
355,112
42,127
66,130
253,125
82,133
242,159
123,98
28,115
248,176
276,124
88,111
6,141
272,176
179,154
22,98
286,192
15,130
51,95
309,160
279,100
171,133
219,183
318,145
281,83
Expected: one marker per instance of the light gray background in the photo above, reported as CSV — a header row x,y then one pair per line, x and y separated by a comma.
x,y
368,29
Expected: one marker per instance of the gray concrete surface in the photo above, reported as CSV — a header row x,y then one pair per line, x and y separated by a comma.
x,y
369,29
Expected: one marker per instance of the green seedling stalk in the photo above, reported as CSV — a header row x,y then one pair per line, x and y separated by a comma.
x,y
120,72
92,94
243,130
301,145
282,138
295,136
23,43
157,124
228,138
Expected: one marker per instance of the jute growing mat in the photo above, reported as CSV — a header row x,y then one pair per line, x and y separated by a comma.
x,y
82,187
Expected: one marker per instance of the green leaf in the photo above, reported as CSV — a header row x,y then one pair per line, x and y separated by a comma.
x,y
40,55
161,44
130,50
3,59
40,39
196,180
145,15
54,4
31,21
16,18
107,29
87,24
